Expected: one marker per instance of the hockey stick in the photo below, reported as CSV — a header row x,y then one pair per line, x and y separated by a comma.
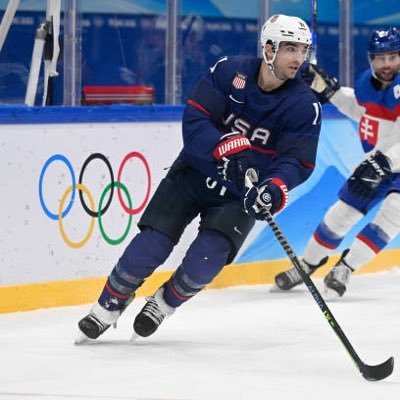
x,y
314,25
369,372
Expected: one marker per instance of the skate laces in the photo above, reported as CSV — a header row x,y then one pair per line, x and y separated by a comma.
x,y
153,311
103,315
294,275
341,273
100,325
156,308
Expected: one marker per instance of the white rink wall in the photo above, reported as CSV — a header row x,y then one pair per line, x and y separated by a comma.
x,y
47,261
33,247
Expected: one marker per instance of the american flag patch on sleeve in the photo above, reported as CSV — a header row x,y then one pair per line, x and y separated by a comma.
x,y
239,82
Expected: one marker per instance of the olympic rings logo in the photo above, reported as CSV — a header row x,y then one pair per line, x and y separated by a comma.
x,y
64,209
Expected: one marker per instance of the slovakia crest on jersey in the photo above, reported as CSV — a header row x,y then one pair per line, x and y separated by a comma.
x,y
239,81
368,131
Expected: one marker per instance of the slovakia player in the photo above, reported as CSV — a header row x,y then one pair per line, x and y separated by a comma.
x,y
245,112
375,104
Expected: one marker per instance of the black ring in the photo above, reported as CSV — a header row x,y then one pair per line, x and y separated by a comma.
x,y
85,164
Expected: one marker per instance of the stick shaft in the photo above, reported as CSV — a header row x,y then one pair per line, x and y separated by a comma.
x,y
314,26
314,292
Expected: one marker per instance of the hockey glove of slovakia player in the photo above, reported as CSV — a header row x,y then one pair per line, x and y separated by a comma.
x,y
270,195
234,157
322,84
368,175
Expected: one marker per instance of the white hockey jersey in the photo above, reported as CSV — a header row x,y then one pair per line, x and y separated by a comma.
x,y
377,113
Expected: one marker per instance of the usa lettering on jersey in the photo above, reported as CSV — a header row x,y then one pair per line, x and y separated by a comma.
x,y
258,134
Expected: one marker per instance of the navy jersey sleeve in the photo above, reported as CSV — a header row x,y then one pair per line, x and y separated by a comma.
x,y
204,111
296,146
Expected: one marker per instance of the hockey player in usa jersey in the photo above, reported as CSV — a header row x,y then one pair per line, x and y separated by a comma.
x,y
375,104
245,112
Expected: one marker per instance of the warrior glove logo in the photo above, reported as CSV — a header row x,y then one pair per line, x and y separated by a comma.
x,y
232,145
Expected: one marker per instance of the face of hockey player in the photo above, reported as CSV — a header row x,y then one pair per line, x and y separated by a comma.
x,y
289,58
386,65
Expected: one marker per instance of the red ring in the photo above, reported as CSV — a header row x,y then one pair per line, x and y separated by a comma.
x,y
133,211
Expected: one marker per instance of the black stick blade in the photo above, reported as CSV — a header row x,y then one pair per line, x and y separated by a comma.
x,y
378,372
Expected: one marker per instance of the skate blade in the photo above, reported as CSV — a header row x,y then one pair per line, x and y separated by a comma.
x,y
329,294
81,339
134,338
276,289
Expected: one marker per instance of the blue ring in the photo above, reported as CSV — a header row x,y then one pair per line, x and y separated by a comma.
x,y
65,160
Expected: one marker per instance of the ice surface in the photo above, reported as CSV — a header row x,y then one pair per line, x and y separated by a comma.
x,y
239,343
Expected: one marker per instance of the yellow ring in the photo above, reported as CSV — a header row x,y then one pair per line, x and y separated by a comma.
x,y
70,243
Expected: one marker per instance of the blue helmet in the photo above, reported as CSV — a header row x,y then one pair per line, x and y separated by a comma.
x,y
384,41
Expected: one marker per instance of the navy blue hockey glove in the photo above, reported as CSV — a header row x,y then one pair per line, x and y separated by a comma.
x,y
368,175
234,157
270,195
323,85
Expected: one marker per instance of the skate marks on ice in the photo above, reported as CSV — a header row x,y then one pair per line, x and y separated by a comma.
x,y
57,396
231,344
362,293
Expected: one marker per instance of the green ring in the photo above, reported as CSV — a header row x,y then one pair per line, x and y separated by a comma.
x,y
103,233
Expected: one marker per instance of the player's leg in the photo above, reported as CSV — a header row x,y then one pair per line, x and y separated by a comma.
x,y
162,224
222,232
369,242
204,259
330,232
145,252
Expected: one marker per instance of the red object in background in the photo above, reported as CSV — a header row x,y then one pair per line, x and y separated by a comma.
x,y
103,95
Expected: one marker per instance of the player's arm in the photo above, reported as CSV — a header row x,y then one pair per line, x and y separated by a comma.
x,y
368,175
203,139
378,166
203,113
327,88
289,170
345,101
393,153
296,150
296,146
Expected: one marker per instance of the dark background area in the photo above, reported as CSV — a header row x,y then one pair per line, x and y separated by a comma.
x,y
130,50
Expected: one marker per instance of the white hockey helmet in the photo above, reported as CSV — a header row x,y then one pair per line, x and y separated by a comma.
x,y
284,28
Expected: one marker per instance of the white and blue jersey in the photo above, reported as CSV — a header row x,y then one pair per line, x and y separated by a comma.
x,y
377,111
282,125
377,125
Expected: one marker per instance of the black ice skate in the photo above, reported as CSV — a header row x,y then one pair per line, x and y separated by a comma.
x,y
151,315
98,321
92,327
286,280
338,278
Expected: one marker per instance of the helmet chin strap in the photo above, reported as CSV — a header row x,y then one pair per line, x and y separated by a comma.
x,y
270,64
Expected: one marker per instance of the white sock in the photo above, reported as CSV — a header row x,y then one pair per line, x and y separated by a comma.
x,y
315,252
359,254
